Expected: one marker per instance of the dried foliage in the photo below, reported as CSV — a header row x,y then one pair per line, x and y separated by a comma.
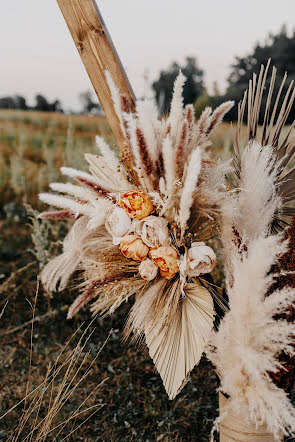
x,y
167,199
253,349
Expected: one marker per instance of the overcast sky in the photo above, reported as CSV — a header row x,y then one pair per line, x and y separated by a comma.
x,y
38,54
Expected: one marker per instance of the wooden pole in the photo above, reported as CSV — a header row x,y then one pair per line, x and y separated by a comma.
x,y
98,54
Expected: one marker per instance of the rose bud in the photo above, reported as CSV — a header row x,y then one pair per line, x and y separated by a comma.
x,y
166,258
148,270
201,259
117,224
153,231
132,247
137,204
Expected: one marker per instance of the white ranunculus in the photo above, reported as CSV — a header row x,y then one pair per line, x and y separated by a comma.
x,y
153,231
148,270
201,259
118,224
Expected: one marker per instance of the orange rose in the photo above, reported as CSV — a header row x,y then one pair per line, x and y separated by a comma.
x,y
137,204
132,247
166,258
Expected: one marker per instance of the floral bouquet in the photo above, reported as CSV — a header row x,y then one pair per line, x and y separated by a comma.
x,y
153,223
142,227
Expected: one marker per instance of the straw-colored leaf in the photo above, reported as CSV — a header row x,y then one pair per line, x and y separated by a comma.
x,y
178,346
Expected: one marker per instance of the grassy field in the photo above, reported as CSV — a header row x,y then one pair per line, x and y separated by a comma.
x,y
72,391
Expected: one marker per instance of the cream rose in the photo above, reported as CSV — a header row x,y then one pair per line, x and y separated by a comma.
x,y
201,259
153,231
118,224
137,204
148,270
132,247
166,258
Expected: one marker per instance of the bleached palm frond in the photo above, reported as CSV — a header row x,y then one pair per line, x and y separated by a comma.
x,y
107,176
273,117
108,154
178,346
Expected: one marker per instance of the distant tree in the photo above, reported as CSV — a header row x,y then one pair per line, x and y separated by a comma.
x,y
193,87
88,104
14,102
7,103
20,102
56,106
43,105
279,47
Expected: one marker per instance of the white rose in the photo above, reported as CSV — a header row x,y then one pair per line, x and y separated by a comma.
x,y
148,270
117,224
201,259
153,231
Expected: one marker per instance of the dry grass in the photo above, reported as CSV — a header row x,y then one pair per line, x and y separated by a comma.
x,y
59,374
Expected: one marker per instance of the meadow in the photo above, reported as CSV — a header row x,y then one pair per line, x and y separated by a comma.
x,y
77,379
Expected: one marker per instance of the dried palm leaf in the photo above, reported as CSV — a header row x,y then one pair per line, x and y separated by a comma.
x,y
177,346
274,116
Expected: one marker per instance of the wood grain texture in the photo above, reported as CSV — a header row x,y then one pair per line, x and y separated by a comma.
x,y
98,54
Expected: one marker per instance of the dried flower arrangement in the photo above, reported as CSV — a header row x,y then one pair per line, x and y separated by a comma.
x,y
143,226
253,349
143,223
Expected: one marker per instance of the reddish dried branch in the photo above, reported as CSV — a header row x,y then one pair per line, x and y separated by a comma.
x,y
59,215
144,153
180,150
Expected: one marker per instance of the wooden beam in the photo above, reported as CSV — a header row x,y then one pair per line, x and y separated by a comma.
x,y
98,54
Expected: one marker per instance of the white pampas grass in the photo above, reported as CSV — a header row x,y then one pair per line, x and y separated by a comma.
x,y
59,269
169,164
74,173
76,191
250,211
116,97
176,109
147,115
249,339
67,203
189,186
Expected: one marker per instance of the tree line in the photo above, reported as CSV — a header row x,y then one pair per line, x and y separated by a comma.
x,y
279,47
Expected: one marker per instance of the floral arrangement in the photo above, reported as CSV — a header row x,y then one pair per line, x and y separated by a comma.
x,y
142,227
253,350
154,222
